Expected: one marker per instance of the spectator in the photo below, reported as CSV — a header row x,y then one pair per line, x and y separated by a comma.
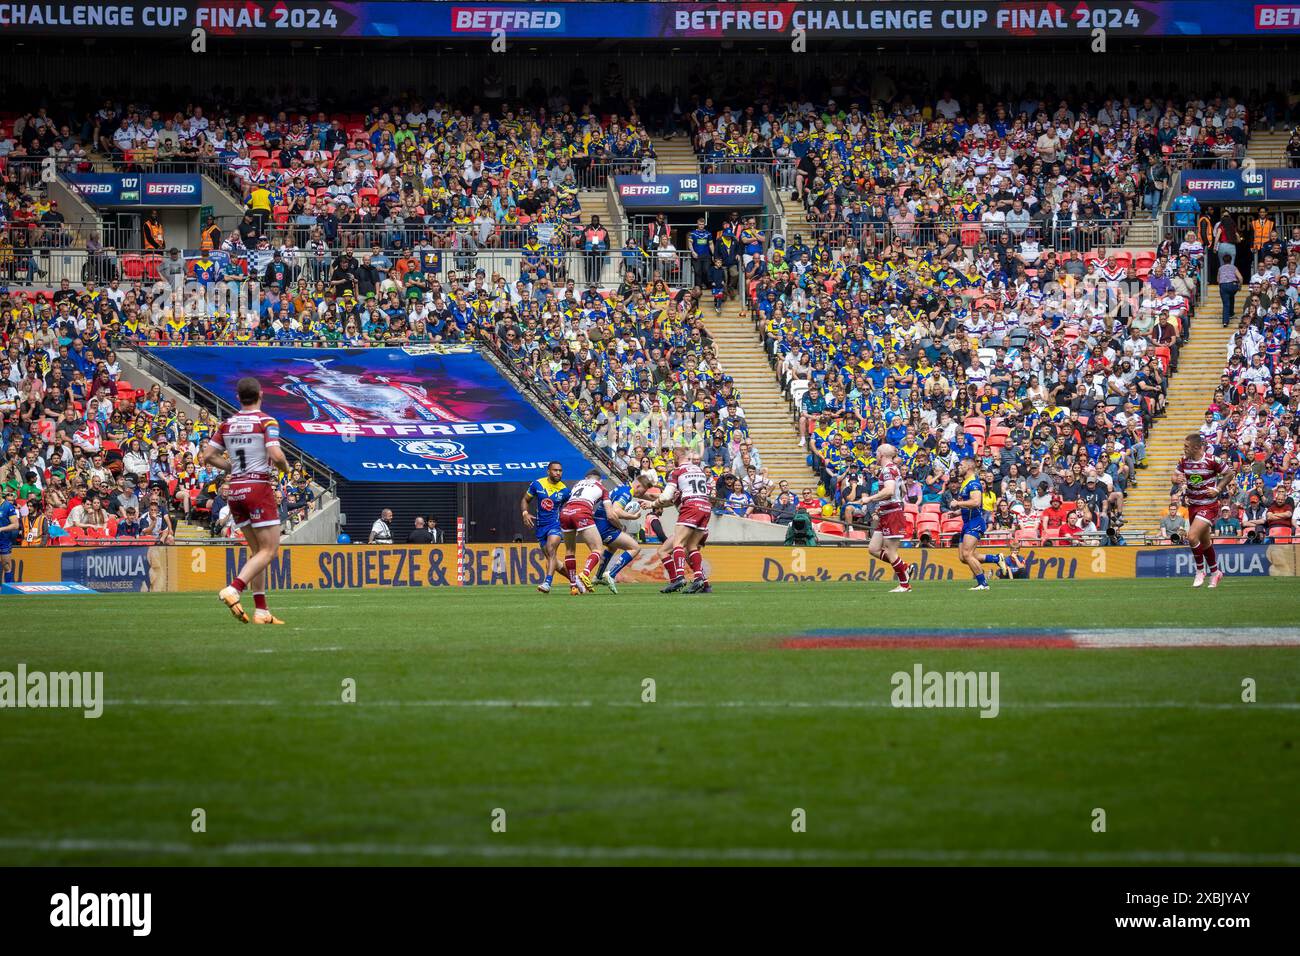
x,y
1173,526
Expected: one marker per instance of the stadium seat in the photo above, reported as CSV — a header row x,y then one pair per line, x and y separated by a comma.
x,y
761,517
132,266
930,508
1124,260
855,535
1027,536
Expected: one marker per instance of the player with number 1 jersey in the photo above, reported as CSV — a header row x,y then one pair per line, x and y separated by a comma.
x,y
247,445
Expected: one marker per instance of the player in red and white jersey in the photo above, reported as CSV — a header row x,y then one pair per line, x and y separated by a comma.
x,y
247,444
688,487
1202,478
892,524
578,520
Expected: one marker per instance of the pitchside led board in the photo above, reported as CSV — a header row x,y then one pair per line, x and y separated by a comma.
x,y
705,22
671,191
422,414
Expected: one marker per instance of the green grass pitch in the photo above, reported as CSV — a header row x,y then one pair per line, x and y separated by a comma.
x,y
469,701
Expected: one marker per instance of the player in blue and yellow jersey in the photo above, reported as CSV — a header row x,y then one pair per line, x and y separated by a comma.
x,y
549,492
973,526
10,529
610,516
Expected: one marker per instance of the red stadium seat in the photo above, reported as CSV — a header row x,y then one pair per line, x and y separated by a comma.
x,y
1124,259
974,424
951,525
855,535
132,266
832,528
1027,536
761,516
931,508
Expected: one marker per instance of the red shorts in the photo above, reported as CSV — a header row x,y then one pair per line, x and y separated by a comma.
x,y
253,503
694,514
1209,513
576,519
893,524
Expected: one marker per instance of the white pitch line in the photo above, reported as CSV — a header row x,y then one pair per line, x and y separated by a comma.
x,y
1188,637
710,705
562,853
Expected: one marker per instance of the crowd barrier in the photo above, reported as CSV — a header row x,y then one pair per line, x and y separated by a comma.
x,y
336,567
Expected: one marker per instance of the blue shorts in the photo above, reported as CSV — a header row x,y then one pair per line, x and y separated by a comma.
x,y
6,544
549,530
976,529
608,532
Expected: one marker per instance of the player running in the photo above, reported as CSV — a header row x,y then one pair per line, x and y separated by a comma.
x,y
624,504
578,520
247,444
550,493
1203,479
688,488
10,529
973,526
891,527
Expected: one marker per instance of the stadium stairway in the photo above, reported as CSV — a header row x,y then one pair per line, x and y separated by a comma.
x,y
767,411
1268,149
675,155
1200,364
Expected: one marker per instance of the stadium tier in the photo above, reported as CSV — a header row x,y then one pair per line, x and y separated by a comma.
x,y
951,278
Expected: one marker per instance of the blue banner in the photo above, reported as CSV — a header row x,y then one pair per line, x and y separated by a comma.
x,y
138,189
1234,560
664,191
706,22
114,569
417,414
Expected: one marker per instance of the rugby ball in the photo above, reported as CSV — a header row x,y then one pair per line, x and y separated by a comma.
x,y
633,508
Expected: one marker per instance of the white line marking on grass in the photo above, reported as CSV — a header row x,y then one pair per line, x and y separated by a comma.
x,y
617,853
1189,637
709,704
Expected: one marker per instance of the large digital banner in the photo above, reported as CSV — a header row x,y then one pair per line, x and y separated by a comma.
x,y
417,414
317,19
137,189
349,567
671,190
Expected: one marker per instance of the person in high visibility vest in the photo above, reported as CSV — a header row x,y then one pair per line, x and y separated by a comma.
x,y
210,237
152,234
1262,230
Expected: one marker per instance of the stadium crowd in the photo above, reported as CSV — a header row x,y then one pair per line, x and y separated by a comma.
x,y
88,455
946,300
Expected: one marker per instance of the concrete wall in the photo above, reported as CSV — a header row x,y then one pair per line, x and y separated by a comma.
x,y
322,527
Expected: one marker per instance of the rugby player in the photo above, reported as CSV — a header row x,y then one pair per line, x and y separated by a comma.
x,y
578,520
891,527
688,488
549,492
1203,479
609,517
973,525
247,444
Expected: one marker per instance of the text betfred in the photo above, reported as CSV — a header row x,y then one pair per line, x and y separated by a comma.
x,y
402,429
473,19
